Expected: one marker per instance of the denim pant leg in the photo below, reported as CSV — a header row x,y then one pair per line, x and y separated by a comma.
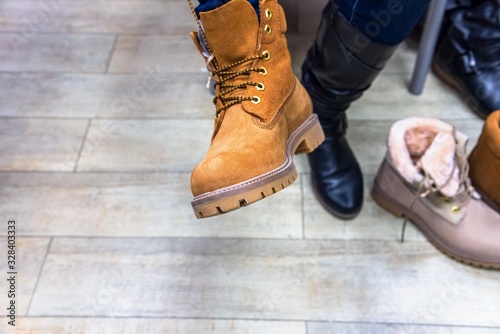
x,y
206,5
387,22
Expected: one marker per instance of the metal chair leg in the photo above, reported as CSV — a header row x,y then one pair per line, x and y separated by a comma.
x,y
435,15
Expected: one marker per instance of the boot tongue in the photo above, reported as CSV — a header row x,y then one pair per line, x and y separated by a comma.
x,y
231,31
439,161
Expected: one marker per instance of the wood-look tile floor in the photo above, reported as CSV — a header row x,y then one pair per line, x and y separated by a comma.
x,y
103,115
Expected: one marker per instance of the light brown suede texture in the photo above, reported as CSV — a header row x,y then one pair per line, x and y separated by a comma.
x,y
278,66
485,160
250,139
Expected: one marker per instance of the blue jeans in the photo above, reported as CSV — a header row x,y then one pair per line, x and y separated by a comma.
x,y
384,21
206,5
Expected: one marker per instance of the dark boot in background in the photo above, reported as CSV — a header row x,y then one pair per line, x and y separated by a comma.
x,y
341,64
468,56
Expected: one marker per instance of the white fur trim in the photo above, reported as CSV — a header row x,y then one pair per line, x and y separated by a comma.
x,y
426,143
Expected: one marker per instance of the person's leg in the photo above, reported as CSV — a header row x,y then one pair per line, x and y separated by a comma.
x,y
387,22
468,57
206,5
355,40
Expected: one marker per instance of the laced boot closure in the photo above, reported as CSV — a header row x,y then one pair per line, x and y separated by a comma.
x,y
226,78
239,57
425,178
263,115
431,157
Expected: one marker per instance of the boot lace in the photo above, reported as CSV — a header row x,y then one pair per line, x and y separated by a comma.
x,y
223,76
427,186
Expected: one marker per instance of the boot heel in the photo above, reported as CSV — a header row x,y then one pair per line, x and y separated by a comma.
x,y
311,138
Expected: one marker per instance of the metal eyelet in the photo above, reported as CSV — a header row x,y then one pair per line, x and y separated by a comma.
x,y
455,209
256,99
267,29
260,86
266,55
269,14
447,200
263,71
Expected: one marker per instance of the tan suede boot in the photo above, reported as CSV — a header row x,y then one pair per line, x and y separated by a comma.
x,y
424,177
485,162
263,114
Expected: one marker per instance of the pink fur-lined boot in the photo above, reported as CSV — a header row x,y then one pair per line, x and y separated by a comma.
x,y
425,178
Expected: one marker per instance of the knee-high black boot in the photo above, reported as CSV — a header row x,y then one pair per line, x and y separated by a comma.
x,y
340,65
468,56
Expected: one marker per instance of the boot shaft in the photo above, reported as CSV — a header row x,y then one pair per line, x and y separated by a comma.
x,y
341,64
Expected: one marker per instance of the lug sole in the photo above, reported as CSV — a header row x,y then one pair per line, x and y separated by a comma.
x,y
303,140
400,211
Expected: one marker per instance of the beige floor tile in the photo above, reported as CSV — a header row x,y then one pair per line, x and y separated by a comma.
x,y
373,222
165,53
142,95
137,205
30,253
155,326
145,145
55,52
125,17
351,328
403,61
40,144
355,281
301,163
52,95
154,94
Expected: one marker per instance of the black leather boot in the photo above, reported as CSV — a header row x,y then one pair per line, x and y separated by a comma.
x,y
468,56
340,65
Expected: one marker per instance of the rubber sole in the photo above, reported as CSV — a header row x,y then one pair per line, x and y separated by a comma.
x,y
303,140
400,211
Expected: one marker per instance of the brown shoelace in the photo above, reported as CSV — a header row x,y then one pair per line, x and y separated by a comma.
x,y
225,74
427,186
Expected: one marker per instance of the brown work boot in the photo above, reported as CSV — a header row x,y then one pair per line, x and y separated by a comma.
x,y
424,177
485,162
263,114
